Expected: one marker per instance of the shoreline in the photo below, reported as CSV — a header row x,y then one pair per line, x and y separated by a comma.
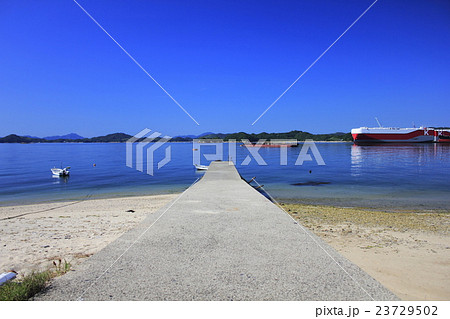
x,y
394,206
105,196
198,140
403,205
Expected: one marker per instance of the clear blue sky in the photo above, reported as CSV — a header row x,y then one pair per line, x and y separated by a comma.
x,y
225,62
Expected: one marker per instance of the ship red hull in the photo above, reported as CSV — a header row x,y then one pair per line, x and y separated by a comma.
x,y
418,136
366,135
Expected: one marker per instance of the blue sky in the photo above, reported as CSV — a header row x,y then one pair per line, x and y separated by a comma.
x,y
225,62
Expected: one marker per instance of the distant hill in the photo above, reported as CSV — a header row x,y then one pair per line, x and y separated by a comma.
x,y
70,136
191,137
122,137
214,135
205,134
13,138
298,135
110,138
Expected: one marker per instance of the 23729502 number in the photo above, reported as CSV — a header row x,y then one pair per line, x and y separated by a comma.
x,y
406,310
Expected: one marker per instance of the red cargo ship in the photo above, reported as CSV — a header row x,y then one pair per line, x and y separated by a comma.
x,y
400,135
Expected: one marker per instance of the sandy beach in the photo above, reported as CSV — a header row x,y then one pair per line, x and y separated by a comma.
x,y
33,236
408,252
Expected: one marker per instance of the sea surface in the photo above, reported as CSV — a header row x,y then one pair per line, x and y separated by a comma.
x,y
403,176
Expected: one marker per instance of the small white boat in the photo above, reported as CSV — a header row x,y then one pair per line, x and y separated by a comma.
x,y
201,167
60,171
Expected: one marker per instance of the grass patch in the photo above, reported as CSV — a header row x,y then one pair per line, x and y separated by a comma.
x,y
26,288
60,267
30,285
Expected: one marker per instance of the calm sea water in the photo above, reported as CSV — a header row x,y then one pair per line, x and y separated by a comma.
x,y
415,175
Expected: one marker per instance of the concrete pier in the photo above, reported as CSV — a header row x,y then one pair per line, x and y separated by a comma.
x,y
219,240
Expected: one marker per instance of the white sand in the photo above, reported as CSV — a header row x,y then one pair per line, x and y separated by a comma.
x,y
67,230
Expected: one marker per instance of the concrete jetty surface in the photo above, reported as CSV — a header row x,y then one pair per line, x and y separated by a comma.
x,y
219,240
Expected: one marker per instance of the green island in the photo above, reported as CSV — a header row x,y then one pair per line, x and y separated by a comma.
x,y
252,137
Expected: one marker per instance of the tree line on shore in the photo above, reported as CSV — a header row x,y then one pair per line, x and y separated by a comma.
x,y
252,137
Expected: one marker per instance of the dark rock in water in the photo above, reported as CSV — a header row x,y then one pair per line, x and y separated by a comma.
x,y
310,183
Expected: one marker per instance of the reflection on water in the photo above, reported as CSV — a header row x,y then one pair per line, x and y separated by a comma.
x,y
386,156
357,159
415,174
406,175
60,179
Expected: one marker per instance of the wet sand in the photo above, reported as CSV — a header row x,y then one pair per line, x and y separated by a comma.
x,y
407,251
